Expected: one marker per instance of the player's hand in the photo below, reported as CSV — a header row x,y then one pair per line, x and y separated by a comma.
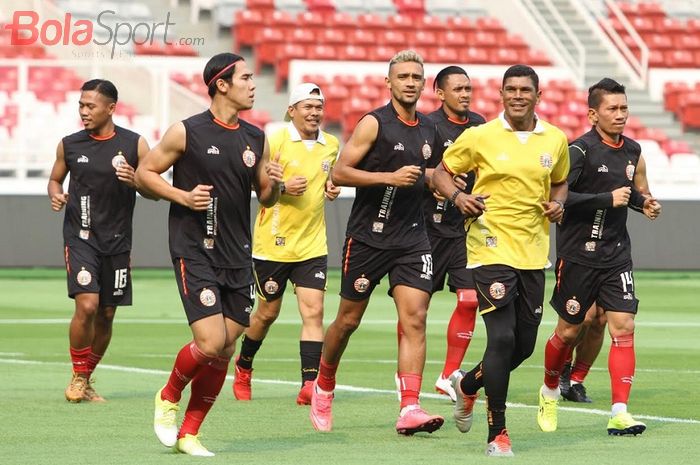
x,y
405,176
553,211
332,191
621,196
652,208
438,196
125,173
471,205
274,170
296,185
199,198
460,181
58,201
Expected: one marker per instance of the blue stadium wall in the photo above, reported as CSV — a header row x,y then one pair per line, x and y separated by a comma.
x,y
31,234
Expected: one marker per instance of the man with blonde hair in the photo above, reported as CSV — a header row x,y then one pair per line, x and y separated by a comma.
x,y
385,159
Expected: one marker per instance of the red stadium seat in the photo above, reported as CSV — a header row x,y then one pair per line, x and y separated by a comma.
x,y
371,22
283,21
245,28
267,40
473,55
353,110
460,23
322,52
380,53
642,25
503,56
301,36
676,146
318,79
335,96
690,112
332,37
392,38
257,118
324,7
263,6
362,37
658,41
412,8
673,92
430,23
352,53
680,59
342,21
451,38
285,53
312,21
534,58
444,55
686,42
400,23
652,134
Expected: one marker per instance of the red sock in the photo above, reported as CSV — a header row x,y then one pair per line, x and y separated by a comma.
x,y
555,354
326,376
621,367
92,360
206,385
79,357
580,371
188,362
460,330
410,388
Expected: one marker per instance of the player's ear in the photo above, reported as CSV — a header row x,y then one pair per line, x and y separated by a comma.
x,y
592,116
111,107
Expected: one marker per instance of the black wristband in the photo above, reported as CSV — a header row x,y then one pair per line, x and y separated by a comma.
x,y
454,195
283,188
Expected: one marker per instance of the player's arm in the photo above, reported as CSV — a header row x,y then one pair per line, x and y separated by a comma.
x,y
58,175
126,173
157,161
363,137
268,178
554,209
331,191
641,199
458,158
580,200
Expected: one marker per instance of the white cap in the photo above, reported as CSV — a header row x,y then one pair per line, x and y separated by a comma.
x,y
303,91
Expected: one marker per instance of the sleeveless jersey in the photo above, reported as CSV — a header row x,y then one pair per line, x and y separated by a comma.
x,y
100,207
225,157
389,217
442,219
593,234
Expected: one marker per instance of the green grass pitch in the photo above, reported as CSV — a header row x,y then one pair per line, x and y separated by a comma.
x,y
37,426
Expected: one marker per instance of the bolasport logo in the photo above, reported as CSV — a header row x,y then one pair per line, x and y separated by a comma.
x,y
27,28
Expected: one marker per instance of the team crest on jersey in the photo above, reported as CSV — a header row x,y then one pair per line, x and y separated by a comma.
x,y
427,150
361,284
491,241
84,277
589,246
572,306
326,166
118,160
497,290
280,241
377,227
84,234
271,287
208,243
629,171
546,160
207,297
437,217
248,157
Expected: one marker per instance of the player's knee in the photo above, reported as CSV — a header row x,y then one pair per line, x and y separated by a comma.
x,y
86,309
263,318
502,341
466,300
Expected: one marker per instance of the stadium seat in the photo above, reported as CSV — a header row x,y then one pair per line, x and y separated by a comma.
x,y
332,37
325,7
245,29
353,110
322,52
690,112
474,55
353,6
265,7
362,37
311,21
381,53
284,54
291,6
266,43
352,53
335,98
430,23
672,147
412,8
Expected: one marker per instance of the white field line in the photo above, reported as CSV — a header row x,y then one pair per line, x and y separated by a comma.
x,y
342,387
431,322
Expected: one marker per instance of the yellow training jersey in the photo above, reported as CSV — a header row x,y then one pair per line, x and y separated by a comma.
x,y
294,229
517,169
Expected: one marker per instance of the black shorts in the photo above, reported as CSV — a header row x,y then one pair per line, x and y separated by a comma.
x,y
271,277
206,290
578,286
498,285
450,256
364,266
106,275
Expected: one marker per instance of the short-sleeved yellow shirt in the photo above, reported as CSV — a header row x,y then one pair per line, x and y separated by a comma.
x,y
294,229
517,169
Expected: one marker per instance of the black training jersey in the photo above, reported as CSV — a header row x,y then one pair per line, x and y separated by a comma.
x,y
442,219
100,207
593,233
225,157
391,217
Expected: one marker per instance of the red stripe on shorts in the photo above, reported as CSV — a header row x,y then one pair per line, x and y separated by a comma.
x,y
347,257
66,258
182,276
